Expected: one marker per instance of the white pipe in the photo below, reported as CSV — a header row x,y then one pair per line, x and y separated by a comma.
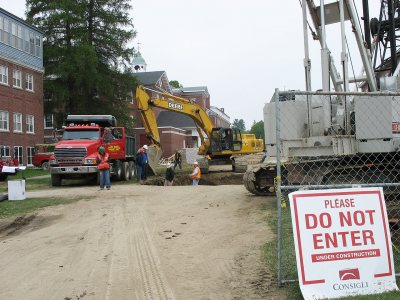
x,y
344,53
325,71
307,68
307,61
365,55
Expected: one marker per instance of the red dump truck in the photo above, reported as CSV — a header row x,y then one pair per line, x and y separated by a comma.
x,y
75,155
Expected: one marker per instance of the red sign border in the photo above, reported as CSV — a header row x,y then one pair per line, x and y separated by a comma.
x,y
295,197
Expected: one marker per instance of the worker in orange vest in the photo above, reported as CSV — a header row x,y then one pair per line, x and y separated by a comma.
x,y
104,168
196,174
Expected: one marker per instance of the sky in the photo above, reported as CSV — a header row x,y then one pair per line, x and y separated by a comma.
x,y
241,50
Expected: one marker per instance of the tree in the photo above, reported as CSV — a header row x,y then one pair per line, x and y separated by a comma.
x,y
175,84
239,123
86,57
258,129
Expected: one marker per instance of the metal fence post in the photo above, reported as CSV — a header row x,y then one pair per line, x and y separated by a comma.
x,y
278,184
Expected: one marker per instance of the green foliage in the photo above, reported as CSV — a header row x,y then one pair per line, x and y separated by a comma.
x,y
258,129
239,123
175,84
86,57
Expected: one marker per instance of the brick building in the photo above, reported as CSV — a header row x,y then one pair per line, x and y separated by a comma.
x,y
21,88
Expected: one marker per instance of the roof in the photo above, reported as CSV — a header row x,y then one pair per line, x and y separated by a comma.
x,y
174,119
150,79
138,59
194,89
191,90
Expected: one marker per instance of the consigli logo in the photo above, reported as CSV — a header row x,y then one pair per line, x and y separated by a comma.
x,y
349,274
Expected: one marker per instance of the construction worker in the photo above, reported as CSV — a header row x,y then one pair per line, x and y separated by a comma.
x,y
169,175
104,168
196,174
177,159
146,162
140,161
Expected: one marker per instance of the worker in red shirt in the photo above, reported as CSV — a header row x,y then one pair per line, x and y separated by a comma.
x,y
104,168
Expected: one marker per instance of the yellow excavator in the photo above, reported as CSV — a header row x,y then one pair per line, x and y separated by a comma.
x,y
217,143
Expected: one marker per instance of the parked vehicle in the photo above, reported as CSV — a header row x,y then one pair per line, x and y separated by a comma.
x,y
75,155
42,155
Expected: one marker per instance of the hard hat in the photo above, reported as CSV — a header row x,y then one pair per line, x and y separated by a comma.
x,y
145,147
101,149
196,163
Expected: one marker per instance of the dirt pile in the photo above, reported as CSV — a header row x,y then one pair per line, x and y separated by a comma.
x,y
218,178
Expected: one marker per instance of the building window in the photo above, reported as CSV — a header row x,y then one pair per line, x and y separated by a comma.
x,y
18,154
4,27
48,121
3,120
4,74
17,122
30,124
26,41
31,43
1,28
30,151
13,34
38,44
4,151
20,44
17,78
29,82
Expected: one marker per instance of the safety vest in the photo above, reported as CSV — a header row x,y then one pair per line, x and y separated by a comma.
x,y
103,164
198,175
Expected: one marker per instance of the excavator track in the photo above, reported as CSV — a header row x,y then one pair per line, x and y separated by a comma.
x,y
260,181
347,170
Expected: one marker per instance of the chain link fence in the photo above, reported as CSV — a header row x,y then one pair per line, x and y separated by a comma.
x,y
325,140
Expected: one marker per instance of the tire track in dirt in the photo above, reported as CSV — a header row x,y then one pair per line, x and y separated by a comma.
x,y
119,278
134,270
154,282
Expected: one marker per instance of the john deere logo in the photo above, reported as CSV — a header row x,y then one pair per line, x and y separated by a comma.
x,y
113,148
175,106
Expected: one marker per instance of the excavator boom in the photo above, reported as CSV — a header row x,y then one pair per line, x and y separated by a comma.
x,y
215,142
170,102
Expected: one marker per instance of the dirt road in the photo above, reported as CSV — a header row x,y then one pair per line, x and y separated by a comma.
x,y
140,242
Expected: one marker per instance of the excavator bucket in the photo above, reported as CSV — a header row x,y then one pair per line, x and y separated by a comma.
x,y
154,154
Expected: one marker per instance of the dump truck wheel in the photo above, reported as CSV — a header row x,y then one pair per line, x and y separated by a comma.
x,y
117,170
131,169
125,171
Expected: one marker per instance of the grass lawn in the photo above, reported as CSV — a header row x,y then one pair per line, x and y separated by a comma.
x,y
289,270
29,172
15,208
31,183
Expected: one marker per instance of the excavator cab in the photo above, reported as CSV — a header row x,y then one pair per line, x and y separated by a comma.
x,y
225,139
